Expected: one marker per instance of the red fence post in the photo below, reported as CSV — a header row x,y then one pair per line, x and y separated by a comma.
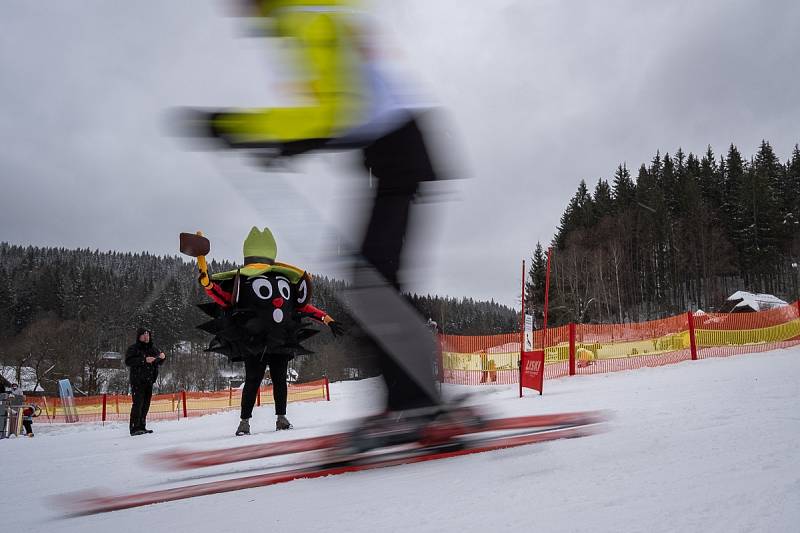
x,y
46,409
798,308
327,389
185,410
104,409
258,396
692,341
572,349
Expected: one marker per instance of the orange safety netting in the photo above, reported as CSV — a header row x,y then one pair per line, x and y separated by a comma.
x,y
473,360
597,348
720,335
611,347
171,406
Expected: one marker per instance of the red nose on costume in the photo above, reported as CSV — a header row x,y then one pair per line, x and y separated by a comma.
x,y
278,302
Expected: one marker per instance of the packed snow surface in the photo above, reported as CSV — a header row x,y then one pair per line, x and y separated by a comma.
x,y
708,445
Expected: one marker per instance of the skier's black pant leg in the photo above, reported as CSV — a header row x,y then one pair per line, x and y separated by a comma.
x,y
278,367
28,426
254,369
382,247
388,222
399,161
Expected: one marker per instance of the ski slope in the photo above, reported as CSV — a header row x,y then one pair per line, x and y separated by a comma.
x,y
707,445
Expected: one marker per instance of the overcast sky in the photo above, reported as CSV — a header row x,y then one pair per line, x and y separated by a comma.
x,y
540,95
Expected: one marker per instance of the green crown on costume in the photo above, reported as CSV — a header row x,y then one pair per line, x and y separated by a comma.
x,y
260,250
260,246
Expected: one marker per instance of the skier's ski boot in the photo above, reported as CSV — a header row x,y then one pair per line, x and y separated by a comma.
x,y
451,421
282,423
244,427
430,426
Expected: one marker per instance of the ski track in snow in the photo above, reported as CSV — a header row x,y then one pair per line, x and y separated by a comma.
x,y
706,445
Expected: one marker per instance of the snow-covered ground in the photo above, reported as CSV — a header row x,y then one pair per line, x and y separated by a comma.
x,y
711,445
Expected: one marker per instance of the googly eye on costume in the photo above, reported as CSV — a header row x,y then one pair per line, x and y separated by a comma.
x,y
304,290
284,288
262,287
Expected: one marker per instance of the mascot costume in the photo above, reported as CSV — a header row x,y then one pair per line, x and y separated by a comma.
x,y
261,312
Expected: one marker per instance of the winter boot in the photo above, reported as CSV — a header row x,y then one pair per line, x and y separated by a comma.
x,y
138,432
282,423
244,427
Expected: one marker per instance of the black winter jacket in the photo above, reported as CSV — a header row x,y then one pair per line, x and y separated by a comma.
x,y
143,372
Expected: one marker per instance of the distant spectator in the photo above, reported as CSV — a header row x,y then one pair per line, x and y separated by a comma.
x,y
28,414
143,359
16,390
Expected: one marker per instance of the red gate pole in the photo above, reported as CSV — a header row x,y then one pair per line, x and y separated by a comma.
x,y
327,389
572,349
522,329
104,409
258,396
692,341
546,306
185,410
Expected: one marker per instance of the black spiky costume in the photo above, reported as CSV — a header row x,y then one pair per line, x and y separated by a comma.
x,y
260,315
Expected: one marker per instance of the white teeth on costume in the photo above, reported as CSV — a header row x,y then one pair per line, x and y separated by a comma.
x,y
277,315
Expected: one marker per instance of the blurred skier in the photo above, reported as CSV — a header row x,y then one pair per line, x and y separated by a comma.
x,y
348,104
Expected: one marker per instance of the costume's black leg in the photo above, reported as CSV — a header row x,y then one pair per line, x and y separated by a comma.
x,y
254,369
277,372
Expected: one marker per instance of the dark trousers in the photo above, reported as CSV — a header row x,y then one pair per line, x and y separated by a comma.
x,y
254,370
28,426
399,161
141,392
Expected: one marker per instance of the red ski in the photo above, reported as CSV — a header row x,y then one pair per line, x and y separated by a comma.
x,y
550,427
185,459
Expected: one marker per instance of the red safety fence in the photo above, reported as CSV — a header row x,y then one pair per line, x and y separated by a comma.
x,y
115,407
598,348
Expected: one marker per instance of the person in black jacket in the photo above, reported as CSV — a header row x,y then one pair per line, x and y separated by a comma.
x,y
143,359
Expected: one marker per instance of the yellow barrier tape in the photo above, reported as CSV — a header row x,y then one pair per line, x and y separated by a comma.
x,y
779,333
